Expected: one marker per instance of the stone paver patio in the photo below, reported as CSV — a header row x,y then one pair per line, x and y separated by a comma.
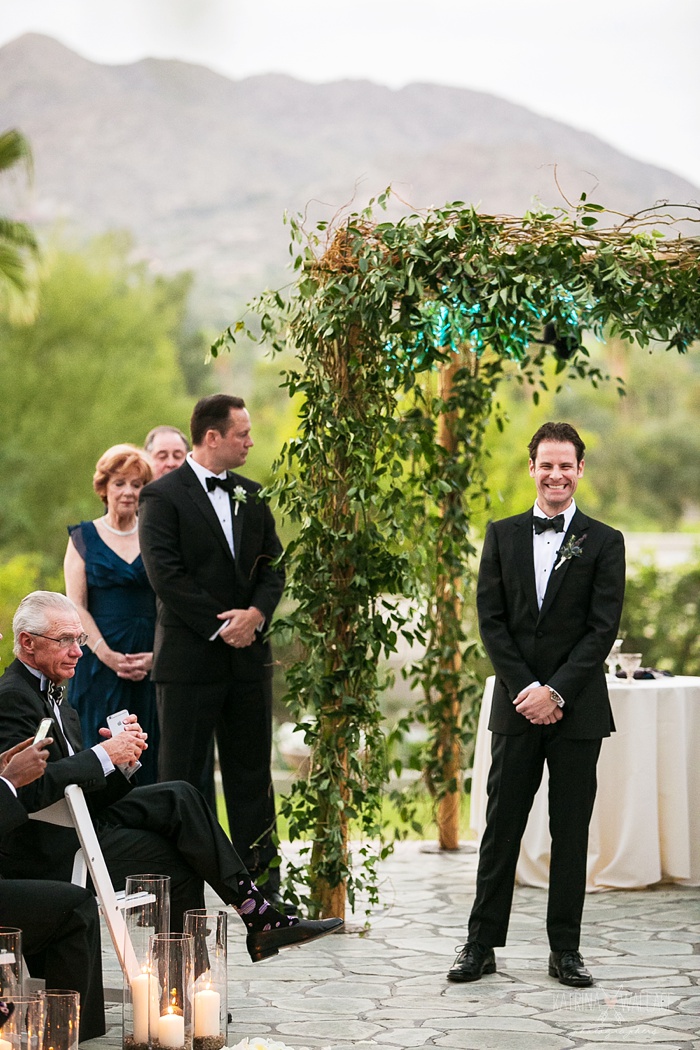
x,y
386,988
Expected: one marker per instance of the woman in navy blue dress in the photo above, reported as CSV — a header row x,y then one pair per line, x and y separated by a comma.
x,y
106,579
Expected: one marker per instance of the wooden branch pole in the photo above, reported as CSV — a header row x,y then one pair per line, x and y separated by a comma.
x,y
448,602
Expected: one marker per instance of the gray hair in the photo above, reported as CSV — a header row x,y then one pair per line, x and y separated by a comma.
x,y
32,613
164,428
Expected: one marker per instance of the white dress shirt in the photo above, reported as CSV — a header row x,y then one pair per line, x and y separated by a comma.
x,y
105,760
545,548
220,499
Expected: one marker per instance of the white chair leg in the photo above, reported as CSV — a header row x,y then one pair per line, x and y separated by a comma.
x,y
101,880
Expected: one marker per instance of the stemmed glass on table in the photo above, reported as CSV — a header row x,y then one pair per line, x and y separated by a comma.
x,y
629,663
612,659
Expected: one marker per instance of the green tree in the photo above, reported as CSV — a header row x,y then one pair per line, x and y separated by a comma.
x,y
642,449
18,576
98,365
660,617
18,247
191,343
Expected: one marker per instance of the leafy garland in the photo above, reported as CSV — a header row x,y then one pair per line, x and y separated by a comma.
x,y
381,474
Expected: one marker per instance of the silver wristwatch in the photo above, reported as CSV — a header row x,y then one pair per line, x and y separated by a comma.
x,y
554,695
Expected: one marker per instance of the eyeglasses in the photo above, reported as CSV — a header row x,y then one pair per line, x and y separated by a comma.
x,y
65,641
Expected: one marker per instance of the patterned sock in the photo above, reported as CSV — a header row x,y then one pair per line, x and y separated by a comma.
x,y
256,912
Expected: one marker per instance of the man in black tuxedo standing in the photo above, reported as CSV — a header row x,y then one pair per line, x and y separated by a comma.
x,y
549,598
212,555
60,923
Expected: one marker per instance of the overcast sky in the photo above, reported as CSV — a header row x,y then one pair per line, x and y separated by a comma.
x,y
626,70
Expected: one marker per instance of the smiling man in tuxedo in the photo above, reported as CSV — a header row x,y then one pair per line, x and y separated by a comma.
x,y
549,598
212,555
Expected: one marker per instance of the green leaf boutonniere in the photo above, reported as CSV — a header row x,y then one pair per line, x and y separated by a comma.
x,y
239,495
572,549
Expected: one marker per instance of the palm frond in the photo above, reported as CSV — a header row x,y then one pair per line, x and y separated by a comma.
x,y
17,234
15,148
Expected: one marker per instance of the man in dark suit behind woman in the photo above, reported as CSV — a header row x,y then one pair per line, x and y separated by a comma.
x,y
549,597
212,556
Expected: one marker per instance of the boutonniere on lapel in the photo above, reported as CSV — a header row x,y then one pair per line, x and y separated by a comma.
x,y
239,495
573,548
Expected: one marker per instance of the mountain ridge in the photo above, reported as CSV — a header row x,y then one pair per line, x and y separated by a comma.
x,y
201,168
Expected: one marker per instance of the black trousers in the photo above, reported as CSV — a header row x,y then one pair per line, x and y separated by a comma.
x,y
60,940
240,716
515,775
170,830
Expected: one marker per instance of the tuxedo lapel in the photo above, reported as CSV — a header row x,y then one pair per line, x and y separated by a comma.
x,y
238,509
579,523
59,736
525,559
199,497
34,684
71,727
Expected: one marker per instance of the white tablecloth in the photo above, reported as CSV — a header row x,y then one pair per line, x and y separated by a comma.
x,y
646,820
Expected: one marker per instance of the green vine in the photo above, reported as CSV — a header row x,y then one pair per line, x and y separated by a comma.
x,y
383,472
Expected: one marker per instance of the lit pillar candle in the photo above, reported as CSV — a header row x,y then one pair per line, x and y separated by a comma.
x,y
171,1029
207,1005
144,992
4,1045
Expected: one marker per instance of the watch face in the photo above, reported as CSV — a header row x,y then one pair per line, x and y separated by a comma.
x,y
555,697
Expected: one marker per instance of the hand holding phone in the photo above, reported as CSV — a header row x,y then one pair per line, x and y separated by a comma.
x,y
25,762
115,722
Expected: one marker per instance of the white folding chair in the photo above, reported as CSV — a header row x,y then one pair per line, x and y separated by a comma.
x,y
72,812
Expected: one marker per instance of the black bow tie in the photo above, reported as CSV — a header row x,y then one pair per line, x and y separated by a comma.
x,y
542,524
54,693
222,483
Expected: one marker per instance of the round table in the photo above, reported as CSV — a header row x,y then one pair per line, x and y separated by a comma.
x,y
645,826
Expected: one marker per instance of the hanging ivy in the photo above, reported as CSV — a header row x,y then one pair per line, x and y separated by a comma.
x,y
380,476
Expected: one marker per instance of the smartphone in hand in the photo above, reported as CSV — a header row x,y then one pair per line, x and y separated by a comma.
x,y
43,730
115,722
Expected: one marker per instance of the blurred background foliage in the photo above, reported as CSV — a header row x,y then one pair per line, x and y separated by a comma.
x,y
112,351
660,618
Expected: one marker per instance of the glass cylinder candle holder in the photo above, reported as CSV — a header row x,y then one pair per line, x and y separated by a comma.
x,y
209,934
147,913
172,956
23,1029
10,962
61,1019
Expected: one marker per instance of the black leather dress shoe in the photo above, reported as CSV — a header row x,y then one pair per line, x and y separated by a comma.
x,y
473,962
263,944
567,966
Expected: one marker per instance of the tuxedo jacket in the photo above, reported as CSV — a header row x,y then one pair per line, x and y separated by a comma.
x,y
35,849
564,644
12,812
195,577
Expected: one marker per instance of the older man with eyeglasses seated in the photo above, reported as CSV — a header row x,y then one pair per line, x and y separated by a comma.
x,y
167,827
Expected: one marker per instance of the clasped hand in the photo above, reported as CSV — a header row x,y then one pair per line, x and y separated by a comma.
x,y
536,704
132,666
125,748
242,624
